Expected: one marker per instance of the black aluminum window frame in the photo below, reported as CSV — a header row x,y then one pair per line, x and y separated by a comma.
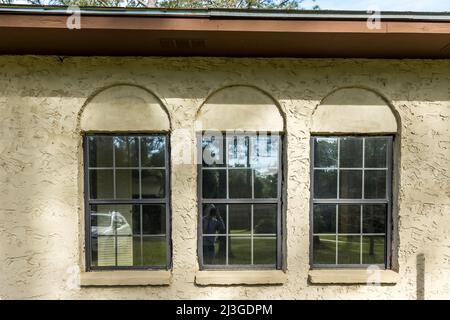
x,y
251,201
388,201
165,201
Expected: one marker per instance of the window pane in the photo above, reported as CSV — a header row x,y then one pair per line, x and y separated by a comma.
x,y
101,184
349,218
239,250
350,184
265,151
238,151
125,256
264,250
111,219
214,218
154,219
137,259
100,151
252,171
350,153
240,218
375,153
213,151
373,250
153,183
375,184
266,183
325,152
154,251
265,218
374,218
325,184
136,220
127,151
240,185
214,184
214,250
324,249
324,218
349,248
103,251
117,229
153,151
127,184
363,174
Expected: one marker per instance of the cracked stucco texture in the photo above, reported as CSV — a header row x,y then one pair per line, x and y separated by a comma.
x,y
41,208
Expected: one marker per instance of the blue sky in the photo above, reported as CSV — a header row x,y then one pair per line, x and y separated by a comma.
x,y
384,5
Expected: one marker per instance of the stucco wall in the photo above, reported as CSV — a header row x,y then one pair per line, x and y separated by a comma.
x,y
41,207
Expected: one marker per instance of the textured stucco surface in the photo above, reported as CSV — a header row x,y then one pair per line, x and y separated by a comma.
x,y
41,202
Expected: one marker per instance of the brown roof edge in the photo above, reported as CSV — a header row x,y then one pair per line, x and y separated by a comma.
x,y
231,13
224,33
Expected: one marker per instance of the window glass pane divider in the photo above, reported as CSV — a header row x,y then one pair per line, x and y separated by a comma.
x,y
241,201
114,268
337,234
253,182
241,266
363,165
114,168
227,230
129,201
115,239
126,168
348,169
346,266
361,230
251,234
244,235
229,168
351,201
227,182
141,227
150,235
140,175
349,234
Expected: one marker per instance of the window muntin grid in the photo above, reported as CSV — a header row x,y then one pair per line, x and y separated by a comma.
x,y
353,229
133,212
253,161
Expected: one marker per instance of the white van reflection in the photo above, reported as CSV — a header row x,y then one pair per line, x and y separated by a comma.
x,y
103,224
112,242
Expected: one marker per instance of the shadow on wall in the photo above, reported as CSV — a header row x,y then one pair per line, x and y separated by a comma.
x,y
420,276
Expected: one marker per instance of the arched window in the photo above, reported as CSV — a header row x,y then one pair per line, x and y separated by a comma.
x,y
240,180
351,180
127,175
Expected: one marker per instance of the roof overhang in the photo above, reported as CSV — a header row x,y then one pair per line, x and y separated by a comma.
x,y
237,33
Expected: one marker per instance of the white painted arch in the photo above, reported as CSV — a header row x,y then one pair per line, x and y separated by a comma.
x,y
354,110
240,108
124,108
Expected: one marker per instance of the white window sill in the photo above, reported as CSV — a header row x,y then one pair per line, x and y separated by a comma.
x,y
352,276
242,277
126,278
